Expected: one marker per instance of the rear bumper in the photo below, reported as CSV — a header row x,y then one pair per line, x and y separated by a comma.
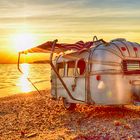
x,y
136,103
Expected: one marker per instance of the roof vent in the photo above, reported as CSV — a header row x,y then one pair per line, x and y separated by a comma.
x,y
118,39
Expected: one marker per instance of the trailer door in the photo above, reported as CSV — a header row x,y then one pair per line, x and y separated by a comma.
x,y
80,80
76,79
73,75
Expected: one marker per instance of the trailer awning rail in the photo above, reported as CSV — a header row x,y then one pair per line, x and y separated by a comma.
x,y
63,47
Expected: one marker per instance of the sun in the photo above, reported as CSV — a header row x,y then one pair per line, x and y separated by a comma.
x,y
23,41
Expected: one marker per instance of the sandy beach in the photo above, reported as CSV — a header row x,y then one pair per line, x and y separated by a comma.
x,y
33,116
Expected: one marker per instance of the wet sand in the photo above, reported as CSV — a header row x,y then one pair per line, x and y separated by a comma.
x,y
35,116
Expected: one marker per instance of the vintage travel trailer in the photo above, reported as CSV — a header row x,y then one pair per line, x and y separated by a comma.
x,y
95,72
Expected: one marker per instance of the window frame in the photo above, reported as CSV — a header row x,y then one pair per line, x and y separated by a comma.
x,y
67,74
57,66
125,68
77,67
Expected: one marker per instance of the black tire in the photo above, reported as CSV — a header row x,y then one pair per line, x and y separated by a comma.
x,y
68,106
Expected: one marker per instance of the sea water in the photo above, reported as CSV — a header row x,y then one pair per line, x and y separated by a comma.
x,y
13,82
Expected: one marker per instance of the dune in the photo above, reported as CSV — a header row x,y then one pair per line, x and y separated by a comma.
x,y
37,117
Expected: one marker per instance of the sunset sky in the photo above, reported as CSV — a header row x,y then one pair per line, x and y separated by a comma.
x,y
32,22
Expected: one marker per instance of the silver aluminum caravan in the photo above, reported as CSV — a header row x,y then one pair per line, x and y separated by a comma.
x,y
96,72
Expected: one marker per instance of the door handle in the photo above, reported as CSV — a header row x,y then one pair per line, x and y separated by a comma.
x,y
73,86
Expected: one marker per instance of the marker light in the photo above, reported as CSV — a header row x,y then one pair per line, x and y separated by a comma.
x,y
135,49
123,48
98,77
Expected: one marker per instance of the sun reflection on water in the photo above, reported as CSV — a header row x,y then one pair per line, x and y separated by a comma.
x,y
24,84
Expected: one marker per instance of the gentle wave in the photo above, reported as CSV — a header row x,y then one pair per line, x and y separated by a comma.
x,y
11,77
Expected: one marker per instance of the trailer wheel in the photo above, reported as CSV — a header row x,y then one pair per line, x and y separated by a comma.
x,y
68,106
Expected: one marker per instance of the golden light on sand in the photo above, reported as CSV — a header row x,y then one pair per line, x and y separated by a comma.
x,y
23,82
23,41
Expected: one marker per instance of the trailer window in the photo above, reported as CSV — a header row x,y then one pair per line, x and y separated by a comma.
x,y
60,68
71,67
81,65
131,66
